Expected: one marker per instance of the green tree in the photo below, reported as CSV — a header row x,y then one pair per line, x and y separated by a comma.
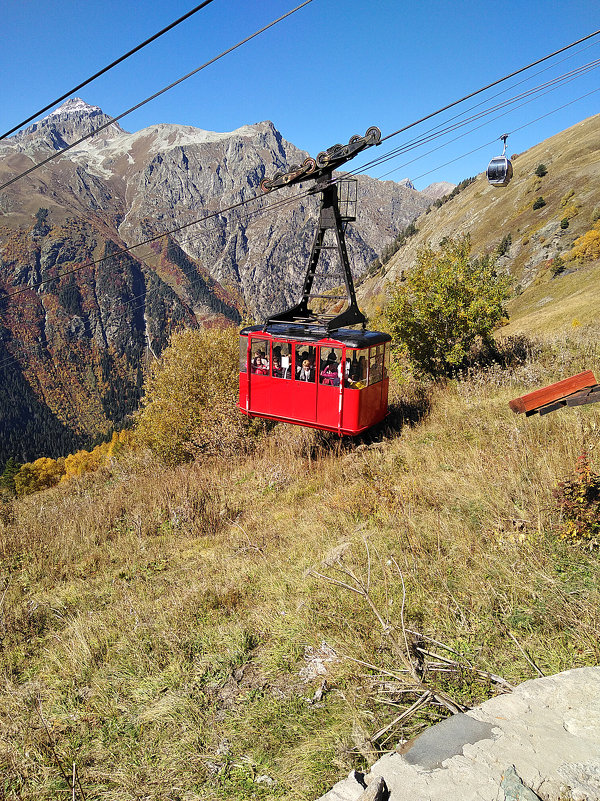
x,y
189,406
447,303
7,479
541,170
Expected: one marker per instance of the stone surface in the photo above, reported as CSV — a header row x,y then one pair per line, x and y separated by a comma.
x,y
541,740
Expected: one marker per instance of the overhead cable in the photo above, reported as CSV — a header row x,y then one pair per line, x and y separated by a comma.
x,y
490,85
443,129
154,96
107,68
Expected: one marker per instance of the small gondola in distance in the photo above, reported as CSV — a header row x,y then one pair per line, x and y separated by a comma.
x,y
500,169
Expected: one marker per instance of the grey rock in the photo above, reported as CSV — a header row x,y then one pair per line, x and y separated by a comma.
x,y
447,739
376,791
514,789
548,729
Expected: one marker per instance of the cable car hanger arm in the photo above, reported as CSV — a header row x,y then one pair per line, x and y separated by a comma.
x,y
327,161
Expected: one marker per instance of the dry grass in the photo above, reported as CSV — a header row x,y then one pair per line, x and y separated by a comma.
x,y
160,625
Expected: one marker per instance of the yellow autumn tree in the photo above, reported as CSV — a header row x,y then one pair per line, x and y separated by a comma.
x,y
80,462
189,404
39,475
587,247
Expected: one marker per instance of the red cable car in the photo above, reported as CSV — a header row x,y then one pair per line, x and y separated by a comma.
x,y
336,382
308,368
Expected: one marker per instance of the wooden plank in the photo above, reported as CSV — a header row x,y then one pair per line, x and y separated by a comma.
x,y
583,397
553,392
551,407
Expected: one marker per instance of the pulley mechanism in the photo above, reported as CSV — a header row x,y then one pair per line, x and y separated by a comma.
x,y
338,207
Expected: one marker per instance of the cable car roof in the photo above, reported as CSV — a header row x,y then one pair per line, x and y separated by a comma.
x,y
345,336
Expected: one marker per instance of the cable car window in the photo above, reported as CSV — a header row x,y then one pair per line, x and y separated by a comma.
x,y
376,364
386,361
497,170
359,360
243,353
259,356
330,369
281,360
306,359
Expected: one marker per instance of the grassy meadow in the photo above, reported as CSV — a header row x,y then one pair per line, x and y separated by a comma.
x,y
250,627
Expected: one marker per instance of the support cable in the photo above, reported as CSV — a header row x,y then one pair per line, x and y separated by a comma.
x,y
153,97
490,85
107,68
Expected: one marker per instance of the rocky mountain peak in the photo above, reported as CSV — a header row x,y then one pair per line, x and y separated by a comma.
x,y
438,190
69,122
75,105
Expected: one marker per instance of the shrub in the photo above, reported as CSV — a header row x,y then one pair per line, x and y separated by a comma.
x,y
566,197
504,245
189,406
38,475
539,203
447,303
541,170
578,500
558,266
564,223
587,247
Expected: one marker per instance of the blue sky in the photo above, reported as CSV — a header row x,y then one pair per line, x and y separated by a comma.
x,y
329,71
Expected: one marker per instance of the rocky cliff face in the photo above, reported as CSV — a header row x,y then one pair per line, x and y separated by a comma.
x,y
80,338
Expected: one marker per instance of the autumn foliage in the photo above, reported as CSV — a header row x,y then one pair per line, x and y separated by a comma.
x,y
587,247
446,304
45,472
189,406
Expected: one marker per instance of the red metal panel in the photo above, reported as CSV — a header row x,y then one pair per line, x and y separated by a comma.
x,y
350,411
328,401
302,401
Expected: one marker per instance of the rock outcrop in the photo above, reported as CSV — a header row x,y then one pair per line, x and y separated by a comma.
x,y
540,742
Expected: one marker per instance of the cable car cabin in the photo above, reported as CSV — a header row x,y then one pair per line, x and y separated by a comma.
x,y
499,171
336,382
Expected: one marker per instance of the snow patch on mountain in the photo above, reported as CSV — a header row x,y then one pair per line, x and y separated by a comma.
x,y
74,105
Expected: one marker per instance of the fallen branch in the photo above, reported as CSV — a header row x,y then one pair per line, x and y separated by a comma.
x,y
421,701
484,673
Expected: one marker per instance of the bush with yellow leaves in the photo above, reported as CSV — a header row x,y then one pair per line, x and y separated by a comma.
x,y
587,247
39,475
189,405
